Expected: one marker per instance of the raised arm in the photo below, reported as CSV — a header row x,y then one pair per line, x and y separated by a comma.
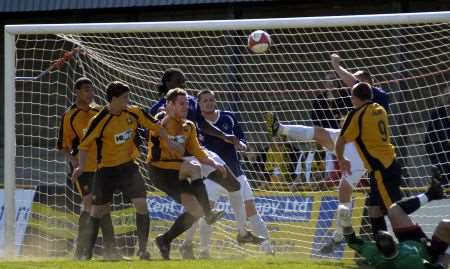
x,y
347,77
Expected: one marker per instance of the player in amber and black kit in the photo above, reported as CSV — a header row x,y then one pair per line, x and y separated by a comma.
x,y
73,127
113,130
180,173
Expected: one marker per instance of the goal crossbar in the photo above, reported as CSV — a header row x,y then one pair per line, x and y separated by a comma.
x,y
303,22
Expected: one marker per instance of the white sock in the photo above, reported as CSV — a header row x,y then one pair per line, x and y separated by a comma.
x,y
422,198
237,203
297,132
190,234
339,232
259,226
205,235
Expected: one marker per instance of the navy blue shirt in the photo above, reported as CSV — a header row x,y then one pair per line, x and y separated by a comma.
x,y
381,97
228,124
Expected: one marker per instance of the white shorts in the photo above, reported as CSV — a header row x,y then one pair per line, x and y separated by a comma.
x,y
215,191
351,154
205,169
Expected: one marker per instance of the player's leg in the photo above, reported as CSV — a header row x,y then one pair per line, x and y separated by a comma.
x,y
256,222
214,191
187,248
346,185
232,185
102,192
205,238
183,192
439,243
193,171
384,191
110,251
182,223
299,132
86,203
133,187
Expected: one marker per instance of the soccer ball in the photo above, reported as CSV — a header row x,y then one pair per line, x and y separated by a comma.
x,y
259,41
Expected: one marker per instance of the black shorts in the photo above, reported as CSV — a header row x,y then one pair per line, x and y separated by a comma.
x,y
83,185
385,186
125,178
166,180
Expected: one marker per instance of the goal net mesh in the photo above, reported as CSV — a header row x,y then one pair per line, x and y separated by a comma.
x,y
295,182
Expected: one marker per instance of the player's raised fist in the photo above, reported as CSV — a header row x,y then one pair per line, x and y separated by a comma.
x,y
335,59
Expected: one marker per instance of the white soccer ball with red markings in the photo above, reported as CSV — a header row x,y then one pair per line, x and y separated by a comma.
x,y
259,41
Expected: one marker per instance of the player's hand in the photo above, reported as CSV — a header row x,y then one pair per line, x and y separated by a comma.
x,y
74,161
76,173
241,146
335,59
232,139
345,166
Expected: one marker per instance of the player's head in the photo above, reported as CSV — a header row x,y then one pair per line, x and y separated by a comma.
x,y
172,78
177,103
385,244
363,76
84,90
117,94
361,94
207,101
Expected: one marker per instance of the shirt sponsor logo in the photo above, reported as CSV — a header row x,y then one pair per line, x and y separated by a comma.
x,y
180,139
123,137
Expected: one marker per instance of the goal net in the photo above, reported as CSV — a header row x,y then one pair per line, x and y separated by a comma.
x,y
294,182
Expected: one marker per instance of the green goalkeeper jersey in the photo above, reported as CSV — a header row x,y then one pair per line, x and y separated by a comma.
x,y
411,255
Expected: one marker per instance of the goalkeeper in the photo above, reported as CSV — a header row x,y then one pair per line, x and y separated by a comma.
x,y
415,249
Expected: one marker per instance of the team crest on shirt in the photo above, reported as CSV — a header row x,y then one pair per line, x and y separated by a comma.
x,y
225,126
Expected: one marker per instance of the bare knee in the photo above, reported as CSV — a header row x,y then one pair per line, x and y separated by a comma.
x,y
140,204
191,205
345,191
98,211
323,138
87,202
443,230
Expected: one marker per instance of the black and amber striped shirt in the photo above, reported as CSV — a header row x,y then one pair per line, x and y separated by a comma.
x,y
182,132
368,126
72,128
114,135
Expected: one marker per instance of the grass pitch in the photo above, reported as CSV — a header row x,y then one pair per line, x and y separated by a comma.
x,y
251,263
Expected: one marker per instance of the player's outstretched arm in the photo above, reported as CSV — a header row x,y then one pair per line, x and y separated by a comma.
x,y
348,78
211,130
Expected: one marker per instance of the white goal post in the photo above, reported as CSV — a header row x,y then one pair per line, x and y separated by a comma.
x,y
70,32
